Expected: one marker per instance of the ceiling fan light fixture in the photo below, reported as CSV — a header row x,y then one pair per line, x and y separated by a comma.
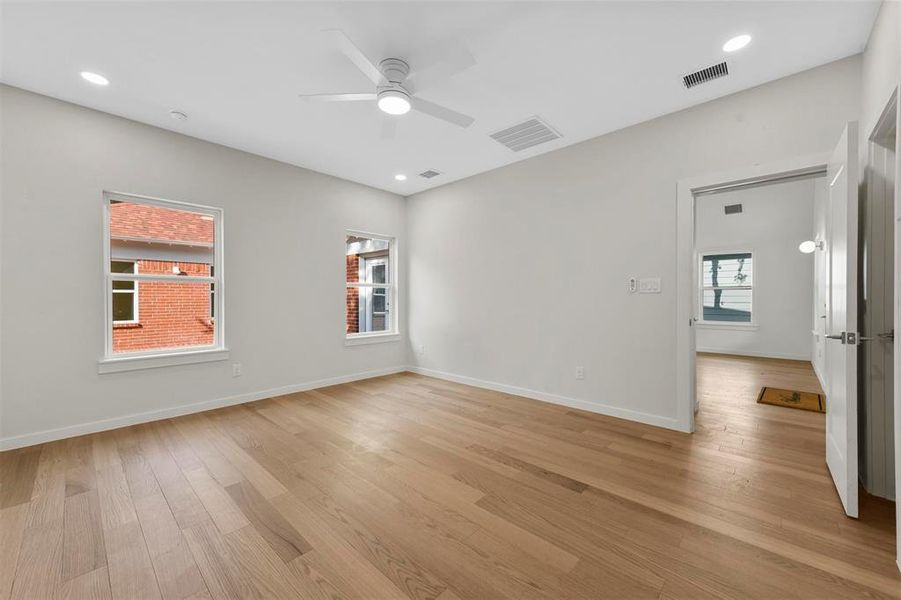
x,y
394,102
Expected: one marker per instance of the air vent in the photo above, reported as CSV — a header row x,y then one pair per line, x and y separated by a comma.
x,y
705,75
526,134
430,173
733,209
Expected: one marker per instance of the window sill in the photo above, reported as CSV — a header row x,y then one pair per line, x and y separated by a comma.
x,y
134,363
370,338
727,326
127,325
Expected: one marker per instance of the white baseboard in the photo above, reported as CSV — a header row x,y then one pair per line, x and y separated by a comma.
x,y
595,407
39,437
805,357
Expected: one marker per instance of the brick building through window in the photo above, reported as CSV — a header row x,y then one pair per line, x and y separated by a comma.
x,y
144,240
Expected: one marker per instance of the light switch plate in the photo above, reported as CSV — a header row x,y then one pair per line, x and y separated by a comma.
x,y
649,285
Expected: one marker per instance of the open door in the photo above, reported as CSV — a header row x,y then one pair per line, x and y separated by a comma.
x,y
842,335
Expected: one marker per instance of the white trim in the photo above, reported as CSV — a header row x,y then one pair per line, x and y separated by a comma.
x,y
170,358
359,339
734,352
114,362
392,277
685,263
727,325
595,407
49,435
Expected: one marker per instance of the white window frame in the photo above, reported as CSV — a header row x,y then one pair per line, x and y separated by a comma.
x,y
391,333
135,304
126,361
735,325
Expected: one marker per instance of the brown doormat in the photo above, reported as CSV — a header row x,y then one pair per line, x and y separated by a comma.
x,y
792,399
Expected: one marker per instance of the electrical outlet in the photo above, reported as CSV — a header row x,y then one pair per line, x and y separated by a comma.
x,y
236,370
580,372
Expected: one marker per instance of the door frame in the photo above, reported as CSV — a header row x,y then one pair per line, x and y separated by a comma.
x,y
685,260
893,105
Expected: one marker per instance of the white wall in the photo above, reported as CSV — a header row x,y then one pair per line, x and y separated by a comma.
x,y
519,275
284,267
774,220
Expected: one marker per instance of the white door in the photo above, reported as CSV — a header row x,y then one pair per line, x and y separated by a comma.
x,y
842,338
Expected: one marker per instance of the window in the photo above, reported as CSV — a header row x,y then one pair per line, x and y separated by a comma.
x,y
125,293
727,287
369,270
163,279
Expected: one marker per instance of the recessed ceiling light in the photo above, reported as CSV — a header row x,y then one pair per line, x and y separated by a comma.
x,y
94,78
737,43
394,102
400,177
178,115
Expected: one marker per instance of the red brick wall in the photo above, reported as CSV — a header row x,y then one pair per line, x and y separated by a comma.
x,y
353,294
170,315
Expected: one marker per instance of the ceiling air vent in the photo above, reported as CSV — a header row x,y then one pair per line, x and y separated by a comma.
x,y
733,209
526,134
430,173
705,75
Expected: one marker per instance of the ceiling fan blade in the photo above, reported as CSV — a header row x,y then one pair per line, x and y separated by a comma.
x,y
389,128
338,97
441,71
442,112
356,56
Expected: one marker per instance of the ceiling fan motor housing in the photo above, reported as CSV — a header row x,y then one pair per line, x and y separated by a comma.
x,y
395,70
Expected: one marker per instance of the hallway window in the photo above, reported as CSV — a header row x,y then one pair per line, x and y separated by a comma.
x,y
727,287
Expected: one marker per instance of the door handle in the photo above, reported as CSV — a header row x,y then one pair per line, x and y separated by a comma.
x,y
840,336
889,336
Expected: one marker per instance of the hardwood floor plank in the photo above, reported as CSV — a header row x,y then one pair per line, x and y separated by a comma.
x,y
287,543
93,585
40,563
84,549
12,531
176,573
131,572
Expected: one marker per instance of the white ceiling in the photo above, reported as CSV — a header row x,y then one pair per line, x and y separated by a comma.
x,y
236,69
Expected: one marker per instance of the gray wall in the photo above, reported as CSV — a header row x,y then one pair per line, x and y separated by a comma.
x,y
284,266
519,275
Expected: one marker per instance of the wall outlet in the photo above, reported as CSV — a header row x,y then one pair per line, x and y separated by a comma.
x,y
236,370
633,285
580,372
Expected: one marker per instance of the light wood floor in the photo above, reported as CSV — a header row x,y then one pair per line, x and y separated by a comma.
x,y
410,487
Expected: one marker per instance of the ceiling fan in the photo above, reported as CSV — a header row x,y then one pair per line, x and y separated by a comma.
x,y
396,86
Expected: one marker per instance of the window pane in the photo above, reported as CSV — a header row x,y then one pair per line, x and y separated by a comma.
x,y
170,315
728,270
367,310
123,307
123,285
163,241
366,260
120,266
727,305
378,300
